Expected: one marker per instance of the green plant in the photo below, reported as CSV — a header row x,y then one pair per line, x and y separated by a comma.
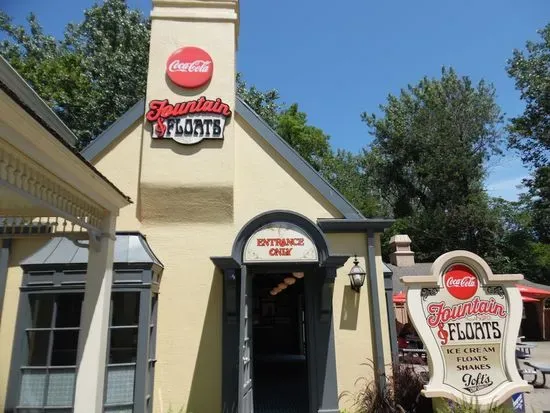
x,y
400,394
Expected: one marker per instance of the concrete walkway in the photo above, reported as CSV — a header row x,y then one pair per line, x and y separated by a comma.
x,y
539,400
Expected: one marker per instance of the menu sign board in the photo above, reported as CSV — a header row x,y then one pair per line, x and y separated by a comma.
x,y
468,319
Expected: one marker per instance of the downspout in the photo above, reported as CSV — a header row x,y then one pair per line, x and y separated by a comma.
x,y
4,262
380,371
388,287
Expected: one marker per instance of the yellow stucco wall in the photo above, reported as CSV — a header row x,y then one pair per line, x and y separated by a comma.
x,y
266,181
188,371
19,250
123,166
189,327
190,202
353,338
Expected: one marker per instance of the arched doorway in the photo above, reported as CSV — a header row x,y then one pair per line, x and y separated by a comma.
x,y
279,344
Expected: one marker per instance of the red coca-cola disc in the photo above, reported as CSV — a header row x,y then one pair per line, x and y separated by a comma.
x,y
461,282
190,67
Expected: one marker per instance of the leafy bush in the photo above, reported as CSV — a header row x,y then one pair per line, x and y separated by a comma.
x,y
401,393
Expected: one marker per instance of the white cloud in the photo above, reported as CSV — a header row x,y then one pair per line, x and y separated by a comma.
x,y
506,188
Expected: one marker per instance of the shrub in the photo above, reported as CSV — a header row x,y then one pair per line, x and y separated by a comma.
x,y
401,393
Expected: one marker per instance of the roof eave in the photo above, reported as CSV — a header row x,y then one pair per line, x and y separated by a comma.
x,y
26,95
354,225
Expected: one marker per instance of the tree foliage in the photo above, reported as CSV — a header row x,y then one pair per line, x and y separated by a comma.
x,y
425,167
92,75
530,132
265,103
344,170
429,152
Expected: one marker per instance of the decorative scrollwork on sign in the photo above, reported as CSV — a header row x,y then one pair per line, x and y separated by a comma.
x,y
491,290
427,292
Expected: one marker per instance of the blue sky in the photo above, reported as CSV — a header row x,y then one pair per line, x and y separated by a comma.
x,y
338,59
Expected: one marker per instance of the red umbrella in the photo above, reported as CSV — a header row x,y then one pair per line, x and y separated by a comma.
x,y
523,289
399,298
527,299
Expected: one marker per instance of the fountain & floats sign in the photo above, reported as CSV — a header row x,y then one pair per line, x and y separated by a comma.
x,y
468,319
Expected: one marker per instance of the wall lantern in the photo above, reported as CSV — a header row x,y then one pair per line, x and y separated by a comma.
x,y
356,276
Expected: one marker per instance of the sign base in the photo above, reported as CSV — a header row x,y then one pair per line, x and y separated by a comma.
x,y
516,404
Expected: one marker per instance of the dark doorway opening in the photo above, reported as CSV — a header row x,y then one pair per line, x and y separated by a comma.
x,y
279,345
530,326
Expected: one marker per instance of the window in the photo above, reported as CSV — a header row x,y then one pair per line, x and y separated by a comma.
x,y
123,350
48,366
48,373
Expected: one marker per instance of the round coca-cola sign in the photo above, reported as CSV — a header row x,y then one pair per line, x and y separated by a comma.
x,y
461,282
190,67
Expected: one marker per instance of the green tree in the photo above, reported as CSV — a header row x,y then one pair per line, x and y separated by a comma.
x,y
519,250
264,103
310,142
429,153
348,173
91,76
529,133
99,69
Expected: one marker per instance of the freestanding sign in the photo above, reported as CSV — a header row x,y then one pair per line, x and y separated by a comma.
x,y
468,319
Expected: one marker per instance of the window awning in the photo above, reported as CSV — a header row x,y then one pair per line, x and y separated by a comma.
x,y
130,248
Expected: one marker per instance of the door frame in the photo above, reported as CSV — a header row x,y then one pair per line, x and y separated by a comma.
x,y
310,272
318,291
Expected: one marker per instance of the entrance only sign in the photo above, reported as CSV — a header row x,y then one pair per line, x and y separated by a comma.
x,y
280,242
468,319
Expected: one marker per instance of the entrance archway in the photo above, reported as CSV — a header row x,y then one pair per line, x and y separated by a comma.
x,y
275,245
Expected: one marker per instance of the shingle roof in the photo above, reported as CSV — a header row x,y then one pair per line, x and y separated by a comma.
x,y
398,272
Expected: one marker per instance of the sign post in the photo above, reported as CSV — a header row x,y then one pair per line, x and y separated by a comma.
x,y
468,319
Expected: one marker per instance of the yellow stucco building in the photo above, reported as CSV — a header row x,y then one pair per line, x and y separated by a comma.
x,y
229,286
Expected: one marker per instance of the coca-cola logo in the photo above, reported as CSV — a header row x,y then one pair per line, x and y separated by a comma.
x,y
461,282
190,67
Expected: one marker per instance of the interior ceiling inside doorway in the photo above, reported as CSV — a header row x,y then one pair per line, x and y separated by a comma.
x,y
287,282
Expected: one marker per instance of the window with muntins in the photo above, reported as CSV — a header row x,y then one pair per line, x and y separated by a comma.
x,y
44,373
48,370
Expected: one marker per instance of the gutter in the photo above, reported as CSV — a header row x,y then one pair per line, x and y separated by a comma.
x,y
343,225
4,262
379,363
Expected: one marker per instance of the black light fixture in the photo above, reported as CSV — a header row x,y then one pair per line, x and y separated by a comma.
x,y
356,276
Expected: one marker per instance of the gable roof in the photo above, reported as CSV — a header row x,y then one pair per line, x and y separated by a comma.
x,y
331,194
